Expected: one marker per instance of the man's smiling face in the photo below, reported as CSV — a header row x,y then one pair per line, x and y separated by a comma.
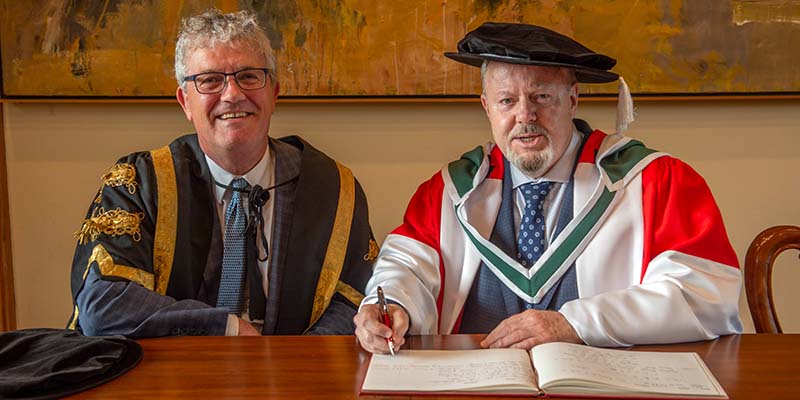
x,y
234,120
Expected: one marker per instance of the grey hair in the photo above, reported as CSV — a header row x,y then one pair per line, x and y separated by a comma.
x,y
211,28
485,65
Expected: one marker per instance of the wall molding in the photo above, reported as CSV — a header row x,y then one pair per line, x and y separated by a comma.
x,y
475,99
8,315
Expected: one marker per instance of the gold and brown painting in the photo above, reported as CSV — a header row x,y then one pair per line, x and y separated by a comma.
x,y
76,48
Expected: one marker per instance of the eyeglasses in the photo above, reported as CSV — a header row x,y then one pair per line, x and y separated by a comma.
x,y
215,82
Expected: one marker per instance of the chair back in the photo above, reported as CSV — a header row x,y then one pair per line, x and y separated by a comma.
x,y
761,254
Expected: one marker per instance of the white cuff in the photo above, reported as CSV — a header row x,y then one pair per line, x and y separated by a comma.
x,y
232,329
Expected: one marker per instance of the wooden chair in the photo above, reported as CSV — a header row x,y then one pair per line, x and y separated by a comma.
x,y
761,254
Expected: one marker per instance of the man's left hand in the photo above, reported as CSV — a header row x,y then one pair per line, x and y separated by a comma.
x,y
529,328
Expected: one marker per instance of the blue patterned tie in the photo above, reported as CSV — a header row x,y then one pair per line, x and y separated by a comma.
x,y
234,256
531,241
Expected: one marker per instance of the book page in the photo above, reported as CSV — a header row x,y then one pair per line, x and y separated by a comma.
x,y
564,367
451,370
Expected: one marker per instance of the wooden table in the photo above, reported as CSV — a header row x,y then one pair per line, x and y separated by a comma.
x,y
332,367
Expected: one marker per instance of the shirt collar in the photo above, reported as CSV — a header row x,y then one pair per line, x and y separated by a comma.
x,y
220,175
560,172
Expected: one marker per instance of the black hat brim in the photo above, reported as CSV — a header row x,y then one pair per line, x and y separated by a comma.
x,y
582,74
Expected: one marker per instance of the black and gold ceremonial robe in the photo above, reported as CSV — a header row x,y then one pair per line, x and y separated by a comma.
x,y
149,254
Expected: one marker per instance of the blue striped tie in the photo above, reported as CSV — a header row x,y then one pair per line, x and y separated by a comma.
x,y
531,241
234,256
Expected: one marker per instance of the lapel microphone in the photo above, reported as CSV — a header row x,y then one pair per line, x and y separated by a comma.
x,y
257,197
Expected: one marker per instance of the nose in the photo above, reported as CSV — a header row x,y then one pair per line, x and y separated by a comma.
x,y
526,112
231,92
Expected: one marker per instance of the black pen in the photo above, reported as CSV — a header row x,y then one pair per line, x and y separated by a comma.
x,y
385,318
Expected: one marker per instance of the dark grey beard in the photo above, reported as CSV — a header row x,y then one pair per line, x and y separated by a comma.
x,y
532,165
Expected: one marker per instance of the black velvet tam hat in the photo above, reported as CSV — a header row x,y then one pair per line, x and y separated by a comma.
x,y
533,45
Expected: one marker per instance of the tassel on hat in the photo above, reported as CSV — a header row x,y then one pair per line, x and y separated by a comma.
x,y
624,107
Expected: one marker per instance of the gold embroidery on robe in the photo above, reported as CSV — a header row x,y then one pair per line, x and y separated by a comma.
x,y
373,251
113,223
99,198
121,174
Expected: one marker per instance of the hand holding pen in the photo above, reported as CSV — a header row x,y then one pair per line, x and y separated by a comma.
x,y
379,325
385,318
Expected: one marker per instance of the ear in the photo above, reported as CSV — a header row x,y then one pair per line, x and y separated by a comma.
x,y
181,96
277,90
485,103
573,99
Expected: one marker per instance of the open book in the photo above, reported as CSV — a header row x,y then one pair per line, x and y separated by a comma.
x,y
562,369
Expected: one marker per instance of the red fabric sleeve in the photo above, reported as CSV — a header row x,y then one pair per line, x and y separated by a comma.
x,y
423,220
680,214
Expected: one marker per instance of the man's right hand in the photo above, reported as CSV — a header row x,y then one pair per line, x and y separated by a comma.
x,y
371,331
245,329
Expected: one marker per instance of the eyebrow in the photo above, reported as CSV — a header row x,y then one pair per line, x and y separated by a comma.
x,y
236,70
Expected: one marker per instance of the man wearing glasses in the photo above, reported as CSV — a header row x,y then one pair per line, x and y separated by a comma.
x,y
226,231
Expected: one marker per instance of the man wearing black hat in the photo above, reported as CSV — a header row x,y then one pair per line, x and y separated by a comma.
x,y
554,232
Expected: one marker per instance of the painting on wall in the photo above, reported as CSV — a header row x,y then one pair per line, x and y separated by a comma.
x,y
377,48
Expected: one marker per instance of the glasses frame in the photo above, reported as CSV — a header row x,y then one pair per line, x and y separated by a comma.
x,y
225,75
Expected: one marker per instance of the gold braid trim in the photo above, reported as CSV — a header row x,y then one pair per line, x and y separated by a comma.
x,y
167,218
352,295
113,223
99,198
73,322
121,174
337,245
107,268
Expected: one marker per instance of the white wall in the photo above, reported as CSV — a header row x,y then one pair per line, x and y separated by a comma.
x,y
746,150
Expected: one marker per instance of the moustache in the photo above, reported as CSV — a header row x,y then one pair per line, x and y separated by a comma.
x,y
528,129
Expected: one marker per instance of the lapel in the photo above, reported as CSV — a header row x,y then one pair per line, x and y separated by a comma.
x,y
213,268
287,167
483,210
196,263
